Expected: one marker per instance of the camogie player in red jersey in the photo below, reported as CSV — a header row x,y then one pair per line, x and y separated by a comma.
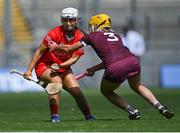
x,y
67,33
119,64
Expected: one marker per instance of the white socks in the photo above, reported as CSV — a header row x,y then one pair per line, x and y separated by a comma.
x,y
157,105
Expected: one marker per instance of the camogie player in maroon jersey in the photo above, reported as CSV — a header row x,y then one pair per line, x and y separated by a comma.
x,y
119,64
43,60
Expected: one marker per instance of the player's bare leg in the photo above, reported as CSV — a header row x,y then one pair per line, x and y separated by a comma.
x,y
134,83
107,89
53,99
71,85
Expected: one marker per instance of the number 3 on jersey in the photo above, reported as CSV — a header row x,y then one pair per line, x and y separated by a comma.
x,y
111,36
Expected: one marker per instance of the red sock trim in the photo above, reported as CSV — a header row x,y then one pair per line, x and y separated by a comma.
x,y
54,109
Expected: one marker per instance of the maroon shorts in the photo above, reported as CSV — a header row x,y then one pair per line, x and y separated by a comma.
x,y
122,69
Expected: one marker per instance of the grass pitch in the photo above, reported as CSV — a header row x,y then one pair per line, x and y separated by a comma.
x,y
30,112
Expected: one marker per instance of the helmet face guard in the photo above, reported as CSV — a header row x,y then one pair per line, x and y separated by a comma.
x,y
92,28
69,18
69,23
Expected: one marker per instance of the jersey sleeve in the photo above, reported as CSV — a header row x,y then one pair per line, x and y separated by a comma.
x,y
50,36
85,40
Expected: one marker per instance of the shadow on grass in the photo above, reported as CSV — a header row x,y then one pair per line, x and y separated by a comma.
x,y
78,120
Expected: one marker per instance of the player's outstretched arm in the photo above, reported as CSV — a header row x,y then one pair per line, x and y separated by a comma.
x,y
37,55
65,48
90,71
69,62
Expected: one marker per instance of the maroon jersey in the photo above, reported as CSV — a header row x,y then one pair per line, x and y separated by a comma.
x,y
108,46
119,62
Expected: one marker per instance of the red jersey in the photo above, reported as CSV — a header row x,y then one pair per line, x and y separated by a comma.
x,y
58,35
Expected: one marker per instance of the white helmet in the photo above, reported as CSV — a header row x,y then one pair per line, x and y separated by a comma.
x,y
69,13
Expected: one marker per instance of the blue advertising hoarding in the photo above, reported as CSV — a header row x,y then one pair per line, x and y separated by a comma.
x,y
170,76
15,83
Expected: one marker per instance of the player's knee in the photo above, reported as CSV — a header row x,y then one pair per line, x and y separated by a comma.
x,y
56,81
133,84
135,88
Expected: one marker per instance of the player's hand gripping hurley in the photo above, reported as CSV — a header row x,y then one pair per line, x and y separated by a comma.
x,y
56,66
50,88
